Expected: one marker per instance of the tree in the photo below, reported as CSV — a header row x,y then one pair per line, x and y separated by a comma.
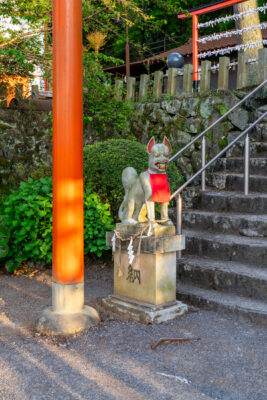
x,y
246,21
21,35
96,40
25,45
148,21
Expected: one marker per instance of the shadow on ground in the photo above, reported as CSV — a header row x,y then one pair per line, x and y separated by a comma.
x,y
114,360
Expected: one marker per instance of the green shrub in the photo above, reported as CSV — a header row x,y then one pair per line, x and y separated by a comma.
x,y
105,161
97,221
26,224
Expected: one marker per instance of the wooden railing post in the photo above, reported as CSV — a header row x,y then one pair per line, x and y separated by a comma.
x,y
35,91
262,64
144,80
118,89
205,76
223,78
130,88
188,78
172,81
241,70
252,74
158,84
253,77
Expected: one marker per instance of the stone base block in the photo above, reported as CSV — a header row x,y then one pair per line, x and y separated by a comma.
x,y
50,322
144,312
153,281
156,229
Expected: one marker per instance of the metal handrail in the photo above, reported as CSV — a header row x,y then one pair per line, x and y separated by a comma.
x,y
177,193
181,188
218,120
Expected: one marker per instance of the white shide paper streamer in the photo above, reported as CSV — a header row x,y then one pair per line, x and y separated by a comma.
x,y
130,252
113,241
234,17
217,36
228,50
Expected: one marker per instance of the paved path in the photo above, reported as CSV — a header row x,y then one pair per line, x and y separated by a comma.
x,y
114,359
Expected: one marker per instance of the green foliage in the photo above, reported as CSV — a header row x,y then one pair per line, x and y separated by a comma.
x,y
26,224
26,10
13,61
104,163
209,135
102,110
19,51
222,142
149,21
97,221
222,109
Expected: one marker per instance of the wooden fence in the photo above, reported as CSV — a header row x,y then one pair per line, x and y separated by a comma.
x,y
178,81
249,73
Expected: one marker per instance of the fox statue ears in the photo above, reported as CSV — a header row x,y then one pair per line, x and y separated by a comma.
x,y
167,143
151,143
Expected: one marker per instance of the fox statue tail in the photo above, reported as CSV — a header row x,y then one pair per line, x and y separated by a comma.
x,y
129,177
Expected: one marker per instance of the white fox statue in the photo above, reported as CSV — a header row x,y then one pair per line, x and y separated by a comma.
x,y
141,192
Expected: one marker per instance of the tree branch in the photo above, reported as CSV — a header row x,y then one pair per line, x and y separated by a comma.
x,y
23,35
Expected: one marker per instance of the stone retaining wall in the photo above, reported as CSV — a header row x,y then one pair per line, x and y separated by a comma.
x,y
26,141
182,118
25,144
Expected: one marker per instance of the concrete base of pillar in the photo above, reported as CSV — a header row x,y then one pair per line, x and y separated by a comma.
x,y
144,312
68,314
52,323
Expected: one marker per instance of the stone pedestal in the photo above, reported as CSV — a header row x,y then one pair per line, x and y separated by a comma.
x,y
146,290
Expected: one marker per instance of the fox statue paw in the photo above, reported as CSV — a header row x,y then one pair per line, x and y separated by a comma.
x,y
130,221
168,223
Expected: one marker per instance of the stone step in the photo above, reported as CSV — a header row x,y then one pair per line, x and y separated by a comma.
x,y
257,166
225,276
254,149
254,310
222,222
224,247
235,182
234,202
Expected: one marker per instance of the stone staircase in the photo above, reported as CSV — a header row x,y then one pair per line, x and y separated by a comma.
x,y
224,266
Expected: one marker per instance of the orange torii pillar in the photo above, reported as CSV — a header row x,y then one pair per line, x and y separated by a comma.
x,y
68,313
195,12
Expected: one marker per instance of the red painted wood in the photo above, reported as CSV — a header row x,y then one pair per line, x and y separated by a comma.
x,y
68,256
195,48
211,7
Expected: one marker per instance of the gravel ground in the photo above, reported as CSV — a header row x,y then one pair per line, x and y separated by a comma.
x,y
114,360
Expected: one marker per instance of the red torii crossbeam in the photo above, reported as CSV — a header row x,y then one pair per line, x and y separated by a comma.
x,y
195,12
